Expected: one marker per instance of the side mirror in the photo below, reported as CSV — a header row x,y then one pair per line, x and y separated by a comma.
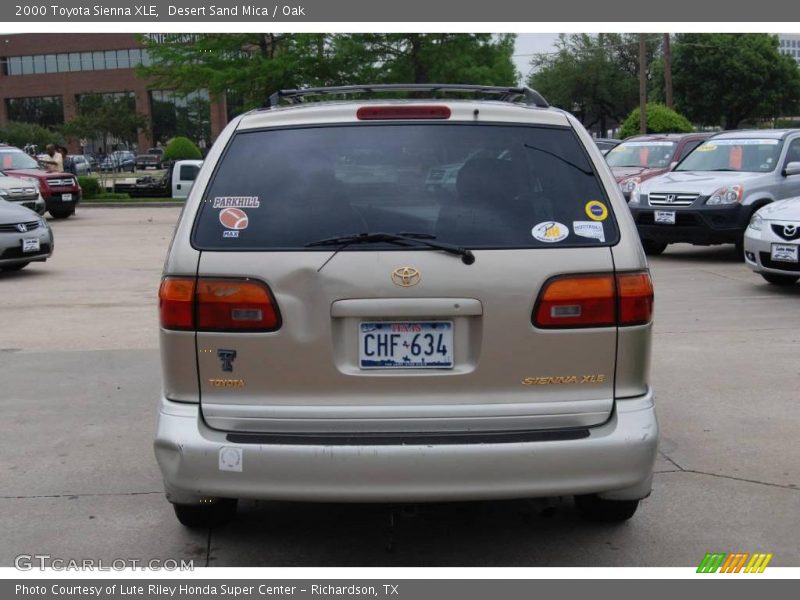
x,y
792,168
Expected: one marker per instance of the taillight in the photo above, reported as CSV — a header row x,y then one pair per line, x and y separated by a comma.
x,y
374,113
635,293
176,303
603,300
213,304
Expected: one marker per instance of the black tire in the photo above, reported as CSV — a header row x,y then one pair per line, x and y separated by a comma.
x,y
61,213
740,249
597,509
780,279
14,267
203,516
652,247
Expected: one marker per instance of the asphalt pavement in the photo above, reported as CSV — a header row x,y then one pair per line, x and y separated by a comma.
x,y
79,381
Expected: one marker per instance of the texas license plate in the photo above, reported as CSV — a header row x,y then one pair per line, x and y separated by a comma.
x,y
665,217
30,245
405,345
66,197
784,253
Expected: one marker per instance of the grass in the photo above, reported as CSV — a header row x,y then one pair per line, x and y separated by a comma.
x,y
104,199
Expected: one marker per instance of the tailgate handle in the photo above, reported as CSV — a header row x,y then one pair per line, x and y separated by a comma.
x,y
407,307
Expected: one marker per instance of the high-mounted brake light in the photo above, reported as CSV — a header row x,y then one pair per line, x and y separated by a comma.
x,y
604,300
388,113
212,304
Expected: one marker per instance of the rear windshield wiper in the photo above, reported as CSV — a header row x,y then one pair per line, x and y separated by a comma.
x,y
400,239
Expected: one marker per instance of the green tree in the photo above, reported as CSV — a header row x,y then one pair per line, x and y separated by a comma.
x,y
106,117
726,79
660,119
21,134
251,66
595,77
478,58
181,148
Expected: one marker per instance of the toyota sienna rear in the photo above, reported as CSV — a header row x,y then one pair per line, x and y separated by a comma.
x,y
388,300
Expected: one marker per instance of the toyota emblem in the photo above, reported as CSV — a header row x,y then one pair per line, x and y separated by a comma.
x,y
406,276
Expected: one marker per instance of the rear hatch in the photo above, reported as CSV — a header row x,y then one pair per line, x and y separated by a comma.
x,y
395,336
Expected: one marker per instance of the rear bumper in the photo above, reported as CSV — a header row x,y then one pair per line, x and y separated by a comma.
x,y
615,460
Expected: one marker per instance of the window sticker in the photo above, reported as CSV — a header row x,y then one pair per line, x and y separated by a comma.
x,y
596,210
589,229
236,202
550,232
233,218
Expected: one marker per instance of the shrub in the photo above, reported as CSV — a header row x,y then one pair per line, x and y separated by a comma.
x,y
90,186
660,119
19,134
181,148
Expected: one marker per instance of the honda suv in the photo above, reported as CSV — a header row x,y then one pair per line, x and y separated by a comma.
x,y
336,328
710,196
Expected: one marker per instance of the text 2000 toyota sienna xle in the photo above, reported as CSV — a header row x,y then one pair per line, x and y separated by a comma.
x,y
405,301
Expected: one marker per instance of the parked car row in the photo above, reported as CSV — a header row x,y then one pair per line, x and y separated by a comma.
x,y
737,187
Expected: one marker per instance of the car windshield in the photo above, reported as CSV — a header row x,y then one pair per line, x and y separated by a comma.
x,y
477,186
745,154
646,154
16,159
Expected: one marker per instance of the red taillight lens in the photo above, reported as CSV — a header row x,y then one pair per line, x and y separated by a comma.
x,y
595,301
635,291
217,305
176,303
577,301
235,305
382,113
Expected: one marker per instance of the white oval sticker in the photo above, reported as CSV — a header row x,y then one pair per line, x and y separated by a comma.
x,y
550,232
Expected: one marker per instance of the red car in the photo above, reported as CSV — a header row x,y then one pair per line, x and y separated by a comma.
x,y
60,191
640,157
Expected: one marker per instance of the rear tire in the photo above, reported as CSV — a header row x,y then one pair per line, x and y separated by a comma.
x,y
203,516
13,268
652,247
780,279
598,509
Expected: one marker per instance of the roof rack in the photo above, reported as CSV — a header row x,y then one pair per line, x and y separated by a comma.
x,y
506,94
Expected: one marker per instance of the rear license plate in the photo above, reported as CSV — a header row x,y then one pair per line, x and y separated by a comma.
x,y
30,245
405,345
784,253
66,197
665,217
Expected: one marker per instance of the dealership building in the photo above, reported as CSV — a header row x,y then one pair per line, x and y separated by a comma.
x,y
44,76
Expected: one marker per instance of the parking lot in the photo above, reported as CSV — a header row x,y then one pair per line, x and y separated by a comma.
x,y
79,367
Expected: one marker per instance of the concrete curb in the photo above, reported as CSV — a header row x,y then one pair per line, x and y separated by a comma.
x,y
128,204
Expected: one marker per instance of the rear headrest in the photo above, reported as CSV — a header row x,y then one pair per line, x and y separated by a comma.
x,y
485,177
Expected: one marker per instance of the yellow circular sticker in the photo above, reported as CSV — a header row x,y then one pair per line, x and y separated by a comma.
x,y
596,210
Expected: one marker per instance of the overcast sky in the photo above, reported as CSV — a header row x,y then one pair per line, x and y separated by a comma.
x,y
529,44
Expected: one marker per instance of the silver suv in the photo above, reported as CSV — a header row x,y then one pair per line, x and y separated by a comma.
x,y
338,326
709,197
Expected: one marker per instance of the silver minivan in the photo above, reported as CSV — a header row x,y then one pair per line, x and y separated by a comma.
x,y
341,320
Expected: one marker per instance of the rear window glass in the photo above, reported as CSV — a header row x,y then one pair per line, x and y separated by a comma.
x,y
478,186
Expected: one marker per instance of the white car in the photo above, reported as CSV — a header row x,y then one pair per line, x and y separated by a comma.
x,y
772,240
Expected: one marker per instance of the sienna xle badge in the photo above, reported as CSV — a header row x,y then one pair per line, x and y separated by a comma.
x,y
405,301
